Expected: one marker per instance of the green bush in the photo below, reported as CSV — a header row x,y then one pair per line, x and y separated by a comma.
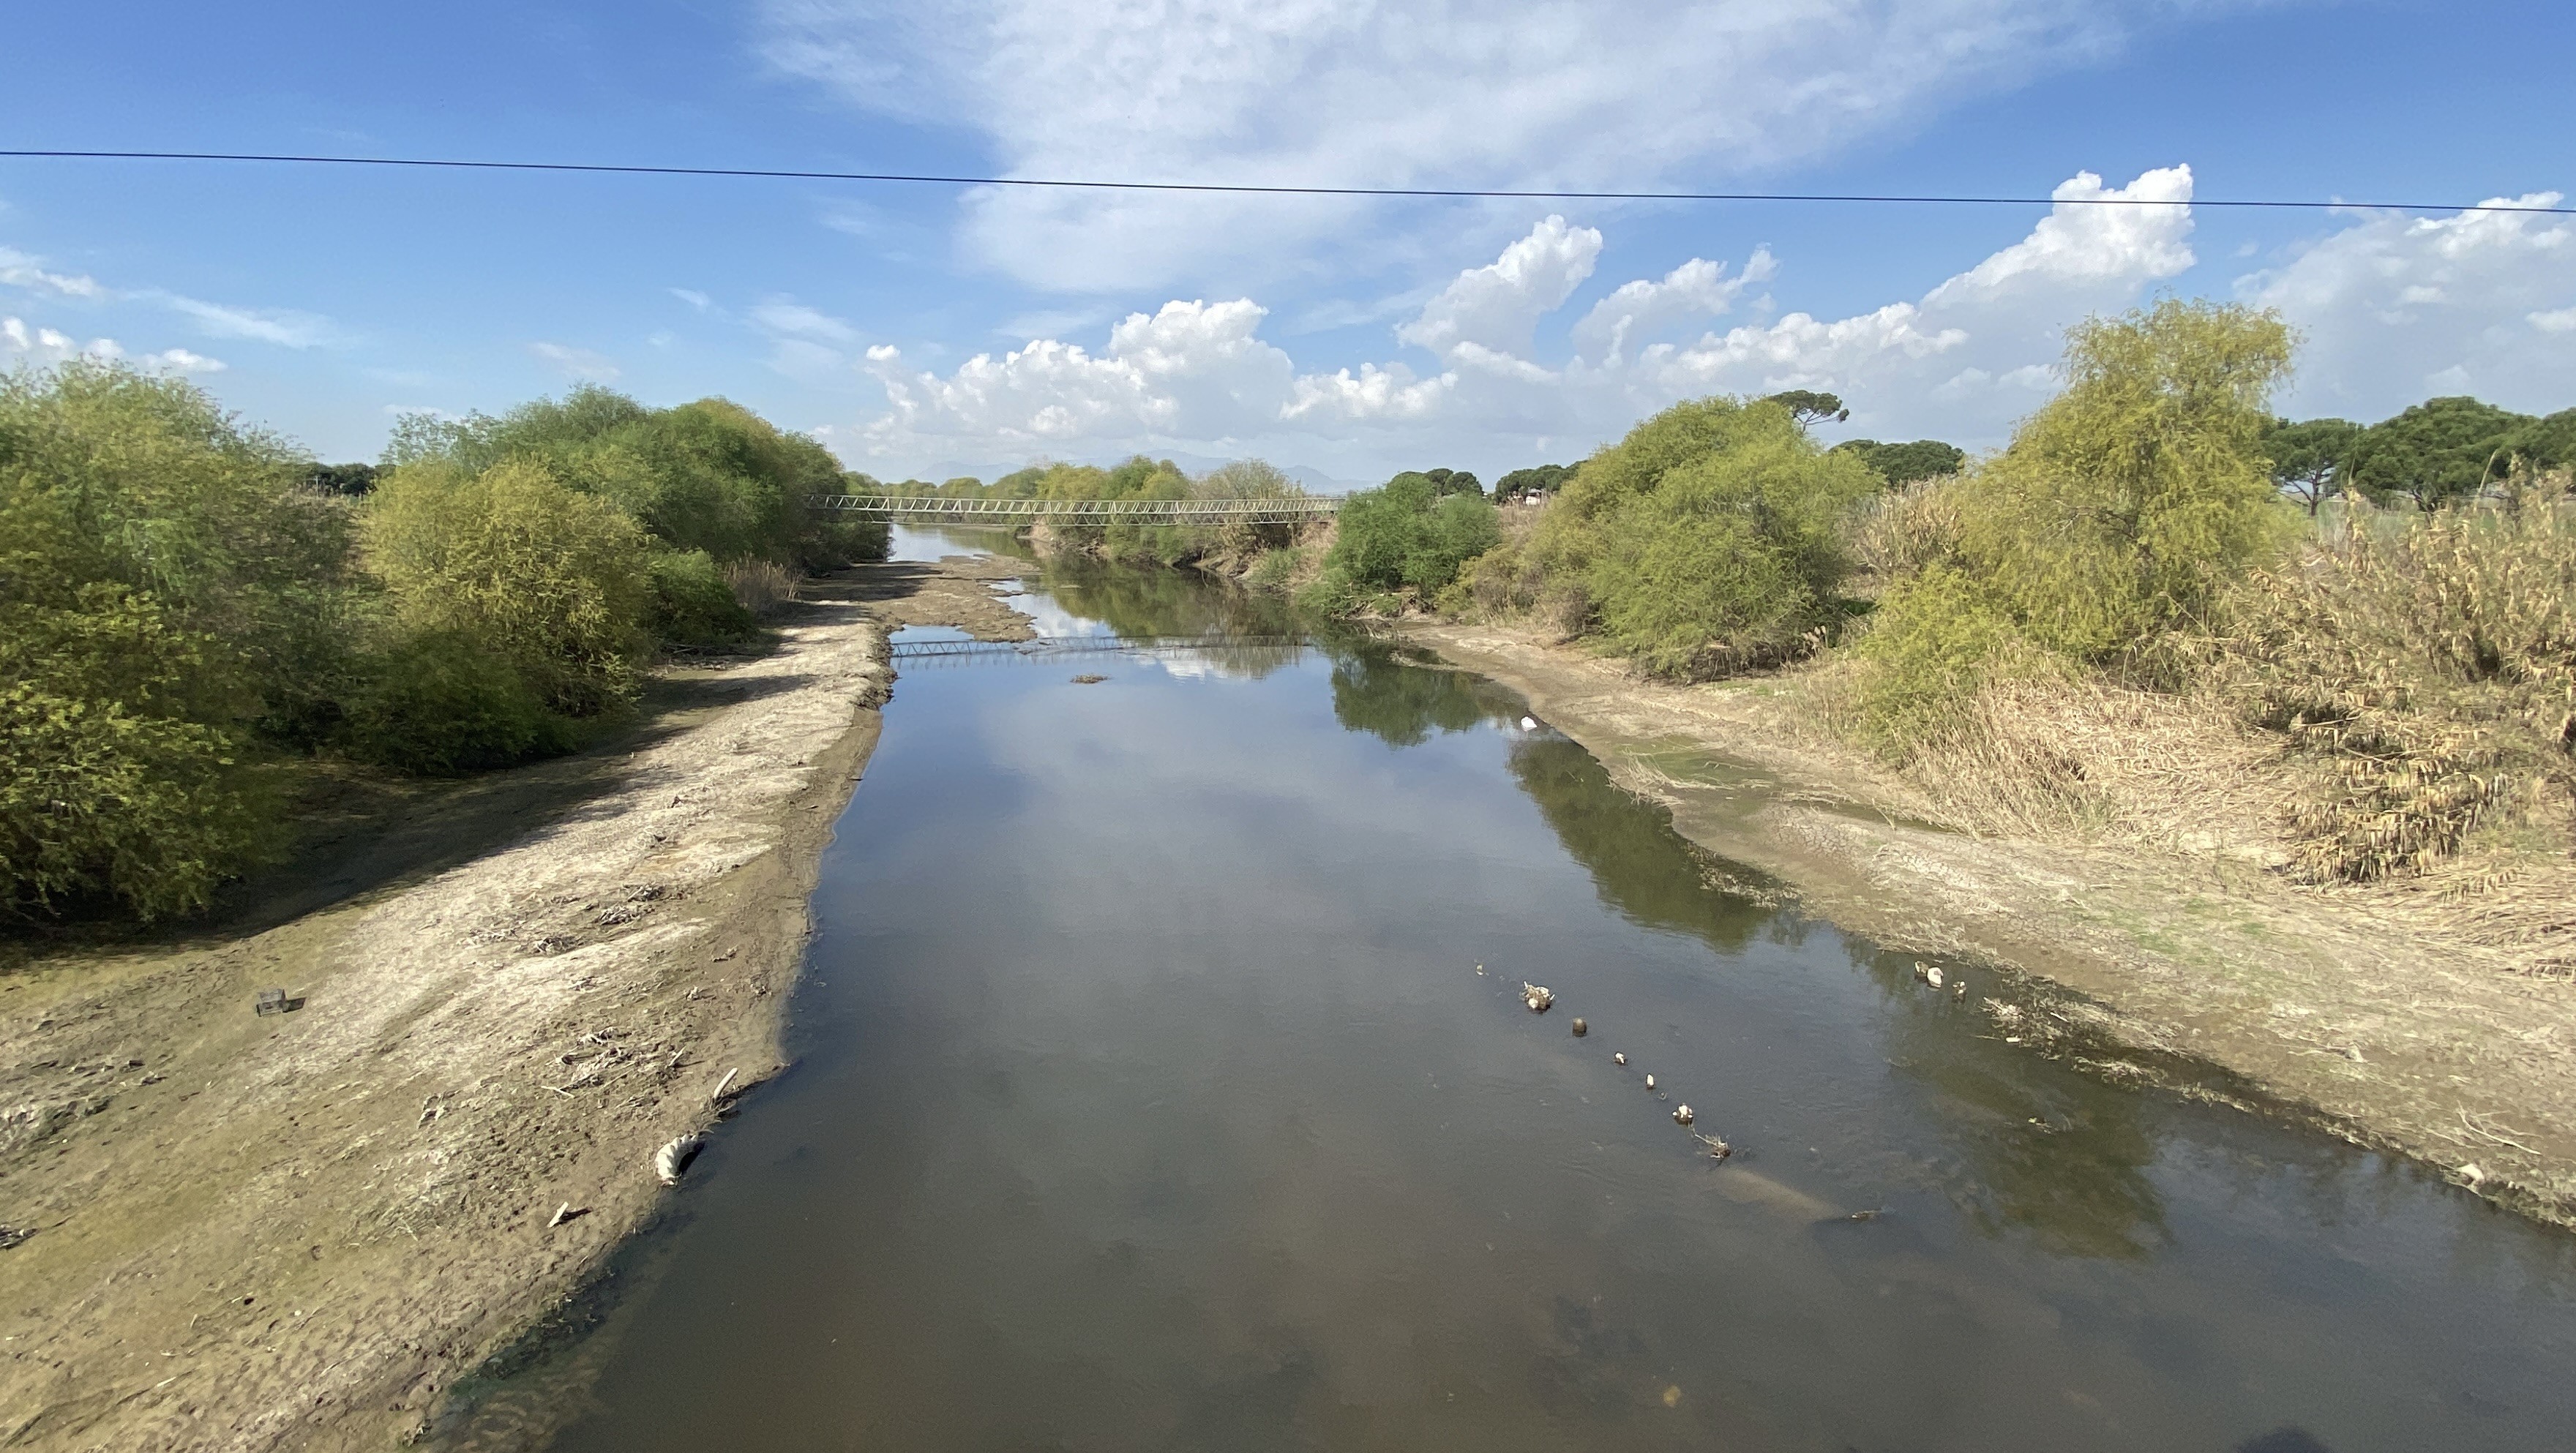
x,y
120,775
1935,638
2126,502
441,702
1403,540
1708,540
693,604
2118,514
167,593
552,581
709,476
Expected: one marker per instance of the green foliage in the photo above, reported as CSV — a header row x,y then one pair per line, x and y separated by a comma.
x,y
2310,458
1239,540
123,775
350,479
1538,480
2439,451
441,702
167,592
1446,481
2119,512
2547,443
709,476
1936,636
1708,540
692,603
1810,407
550,580
2125,502
1274,569
1906,463
1404,538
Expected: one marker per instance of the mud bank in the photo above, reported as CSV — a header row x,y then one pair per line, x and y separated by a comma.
x,y
299,1230
2145,966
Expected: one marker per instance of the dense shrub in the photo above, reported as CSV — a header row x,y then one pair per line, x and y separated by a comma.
x,y
442,702
710,475
1708,540
2125,503
168,592
121,769
2119,512
1402,541
550,580
693,604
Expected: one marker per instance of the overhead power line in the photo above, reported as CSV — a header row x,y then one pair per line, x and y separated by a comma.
x,y
1252,189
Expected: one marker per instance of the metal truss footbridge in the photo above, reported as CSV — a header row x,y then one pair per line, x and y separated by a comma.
x,y
1294,510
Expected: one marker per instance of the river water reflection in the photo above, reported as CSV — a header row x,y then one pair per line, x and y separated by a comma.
x,y
1148,1097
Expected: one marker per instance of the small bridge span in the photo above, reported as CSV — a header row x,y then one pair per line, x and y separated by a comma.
x,y
1050,647
1297,509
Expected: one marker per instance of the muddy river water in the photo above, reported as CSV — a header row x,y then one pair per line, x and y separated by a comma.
x,y
1148,1096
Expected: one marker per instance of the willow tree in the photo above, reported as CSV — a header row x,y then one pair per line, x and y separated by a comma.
x,y
2125,503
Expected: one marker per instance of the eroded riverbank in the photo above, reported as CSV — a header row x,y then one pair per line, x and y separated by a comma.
x,y
2433,1048
300,1230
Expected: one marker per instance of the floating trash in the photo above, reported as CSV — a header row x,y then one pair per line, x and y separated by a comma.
x,y
1619,1057
1681,1114
275,1001
1580,1028
1537,997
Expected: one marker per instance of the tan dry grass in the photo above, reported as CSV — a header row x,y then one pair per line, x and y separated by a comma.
x,y
2430,665
761,585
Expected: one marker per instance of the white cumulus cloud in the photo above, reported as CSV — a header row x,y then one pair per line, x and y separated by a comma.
x,y
1353,92
1496,307
2395,307
1191,366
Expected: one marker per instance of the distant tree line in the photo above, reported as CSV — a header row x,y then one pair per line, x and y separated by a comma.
x,y
2430,455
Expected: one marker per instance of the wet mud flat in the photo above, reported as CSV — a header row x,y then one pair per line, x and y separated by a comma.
x,y
1147,1094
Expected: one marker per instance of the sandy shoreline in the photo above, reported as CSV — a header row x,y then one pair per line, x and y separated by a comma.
x,y
2303,1003
300,1230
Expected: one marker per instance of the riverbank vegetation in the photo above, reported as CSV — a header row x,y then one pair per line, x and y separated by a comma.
x,y
192,610
2347,650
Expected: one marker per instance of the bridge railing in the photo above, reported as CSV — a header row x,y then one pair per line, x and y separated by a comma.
x,y
1295,510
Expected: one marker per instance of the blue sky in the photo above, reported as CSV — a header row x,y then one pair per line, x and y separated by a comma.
x,y
930,330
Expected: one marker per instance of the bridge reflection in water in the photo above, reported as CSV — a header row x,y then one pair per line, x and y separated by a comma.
x,y
1250,652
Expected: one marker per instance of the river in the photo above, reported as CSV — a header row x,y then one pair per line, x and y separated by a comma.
x,y
1148,1096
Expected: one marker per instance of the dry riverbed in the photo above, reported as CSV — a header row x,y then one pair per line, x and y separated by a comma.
x,y
2145,965
300,1230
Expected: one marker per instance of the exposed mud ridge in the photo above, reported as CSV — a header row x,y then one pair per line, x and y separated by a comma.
x,y
2302,1003
298,1230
